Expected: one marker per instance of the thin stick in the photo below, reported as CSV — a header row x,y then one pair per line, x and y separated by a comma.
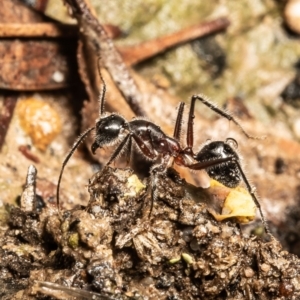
x,y
138,53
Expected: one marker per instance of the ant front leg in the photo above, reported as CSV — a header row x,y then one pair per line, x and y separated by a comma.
x,y
157,172
148,152
115,154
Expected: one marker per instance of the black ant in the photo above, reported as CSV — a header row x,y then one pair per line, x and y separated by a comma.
x,y
219,158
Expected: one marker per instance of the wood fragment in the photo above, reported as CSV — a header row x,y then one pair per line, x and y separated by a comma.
x,y
48,30
13,11
28,154
42,30
28,196
6,113
36,65
97,43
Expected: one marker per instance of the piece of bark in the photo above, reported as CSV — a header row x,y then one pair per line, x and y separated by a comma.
x,y
13,11
28,24
36,65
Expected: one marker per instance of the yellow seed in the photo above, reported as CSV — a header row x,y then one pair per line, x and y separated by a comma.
x,y
174,260
187,258
135,185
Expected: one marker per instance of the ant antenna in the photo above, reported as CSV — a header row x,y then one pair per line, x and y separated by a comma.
x,y
74,147
103,92
84,134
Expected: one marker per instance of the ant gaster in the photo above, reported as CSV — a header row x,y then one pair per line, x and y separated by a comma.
x,y
218,158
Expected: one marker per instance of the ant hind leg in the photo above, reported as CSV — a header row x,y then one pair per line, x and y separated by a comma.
x,y
220,112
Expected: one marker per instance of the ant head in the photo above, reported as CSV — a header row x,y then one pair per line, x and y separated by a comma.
x,y
217,149
227,173
108,131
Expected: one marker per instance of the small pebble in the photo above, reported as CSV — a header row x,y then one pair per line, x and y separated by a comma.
x,y
265,268
292,15
248,272
58,77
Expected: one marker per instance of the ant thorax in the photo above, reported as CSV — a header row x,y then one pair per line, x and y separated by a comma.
x,y
152,137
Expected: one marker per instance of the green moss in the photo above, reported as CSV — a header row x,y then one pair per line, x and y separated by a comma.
x,y
73,240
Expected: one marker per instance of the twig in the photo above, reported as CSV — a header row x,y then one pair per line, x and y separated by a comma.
x,y
137,53
52,30
42,30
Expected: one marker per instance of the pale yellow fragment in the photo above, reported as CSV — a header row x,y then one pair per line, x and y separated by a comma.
x,y
134,185
239,205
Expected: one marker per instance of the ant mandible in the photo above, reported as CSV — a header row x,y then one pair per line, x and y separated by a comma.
x,y
218,158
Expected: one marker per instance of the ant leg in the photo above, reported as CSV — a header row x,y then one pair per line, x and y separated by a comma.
x,y
143,147
121,146
178,123
206,164
161,169
147,152
251,190
128,151
118,150
210,163
155,170
190,127
217,110
74,147
115,154
153,192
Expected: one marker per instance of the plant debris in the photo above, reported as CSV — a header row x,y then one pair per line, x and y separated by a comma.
x,y
39,120
115,249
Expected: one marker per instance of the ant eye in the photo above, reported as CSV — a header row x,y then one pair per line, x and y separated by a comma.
x,y
232,142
